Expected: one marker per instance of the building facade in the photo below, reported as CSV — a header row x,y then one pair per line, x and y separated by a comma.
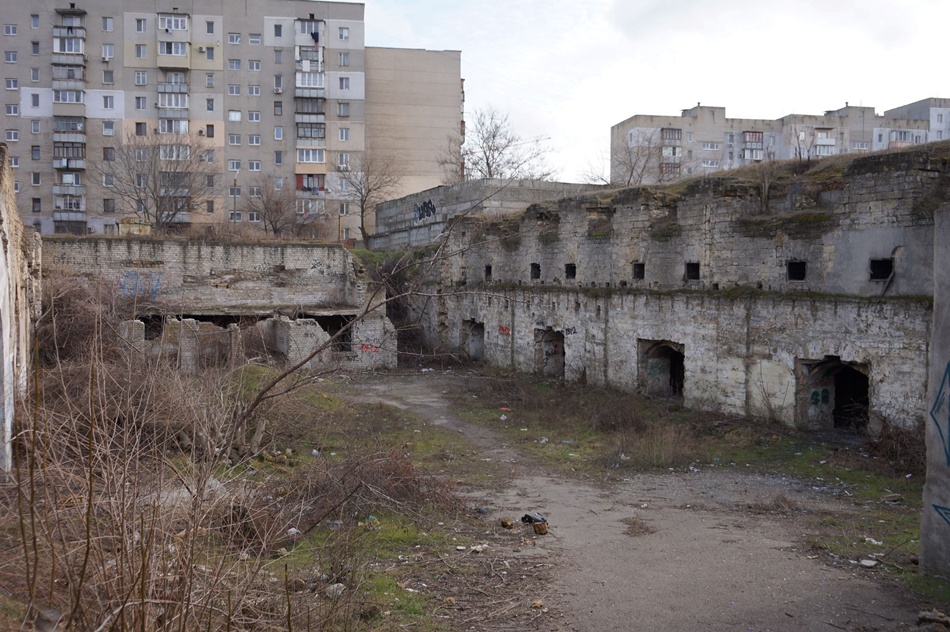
x,y
272,96
646,149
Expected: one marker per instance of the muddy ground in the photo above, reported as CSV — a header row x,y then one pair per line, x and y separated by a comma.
x,y
695,550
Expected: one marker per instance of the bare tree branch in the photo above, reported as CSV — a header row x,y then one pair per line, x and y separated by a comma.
x,y
371,179
277,208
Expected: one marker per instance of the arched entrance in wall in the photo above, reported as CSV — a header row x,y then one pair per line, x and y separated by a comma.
x,y
833,394
662,367
549,352
473,339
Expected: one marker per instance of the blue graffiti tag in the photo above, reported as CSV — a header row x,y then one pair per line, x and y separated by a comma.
x,y
938,409
141,285
423,211
943,512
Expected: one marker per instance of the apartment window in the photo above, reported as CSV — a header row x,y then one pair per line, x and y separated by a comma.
x,y
344,133
234,64
344,59
173,23
140,103
639,270
278,108
209,80
108,24
253,139
234,216
881,269
14,162
141,77
140,25
234,116
141,154
108,179
278,183
344,161
535,270
254,165
234,165
12,84
209,130
940,118
796,270
254,39
209,206
253,91
344,208
141,129
34,48
278,132
279,83
711,146
343,109
12,109
209,104
10,56
108,205
140,51
108,128
344,83
35,178
311,155
278,56
37,205
108,76
254,65
172,126
35,21
35,127
234,139
234,89
70,96
344,33
234,38
860,145
209,26
34,152
278,157
278,30
234,191
711,163
692,271
209,155
108,154
209,53
9,29
570,270
176,49
13,135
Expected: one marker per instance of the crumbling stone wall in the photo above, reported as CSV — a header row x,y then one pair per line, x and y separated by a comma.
x,y
19,273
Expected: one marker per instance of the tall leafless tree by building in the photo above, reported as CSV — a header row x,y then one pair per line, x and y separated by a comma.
x,y
638,160
277,208
161,178
370,179
492,149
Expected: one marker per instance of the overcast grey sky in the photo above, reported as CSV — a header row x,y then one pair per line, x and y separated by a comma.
x,y
569,70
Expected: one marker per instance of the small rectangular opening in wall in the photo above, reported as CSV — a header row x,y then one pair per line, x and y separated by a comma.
x,y
535,270
796,270
692,271
570,270
639,271
488,273
332,325
881,269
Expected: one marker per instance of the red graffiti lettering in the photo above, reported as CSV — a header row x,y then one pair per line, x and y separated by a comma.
x,y
504,331
369,348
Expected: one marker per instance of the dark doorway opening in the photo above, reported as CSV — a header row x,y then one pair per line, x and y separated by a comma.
x,y
473,342
332,325
662,366
549,352
851,400
833,395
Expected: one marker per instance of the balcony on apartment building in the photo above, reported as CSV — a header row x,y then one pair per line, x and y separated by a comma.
x,y
75,164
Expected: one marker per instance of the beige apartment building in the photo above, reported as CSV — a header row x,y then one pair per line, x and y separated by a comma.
x,y
646,149
279,99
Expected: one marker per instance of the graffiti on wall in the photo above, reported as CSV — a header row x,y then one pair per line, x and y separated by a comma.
x,y
423,211
940,415
141,285
820,397
504,331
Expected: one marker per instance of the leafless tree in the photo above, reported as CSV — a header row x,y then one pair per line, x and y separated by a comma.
x,y
637,160
160,177
371,178
492,149
802,138
277,208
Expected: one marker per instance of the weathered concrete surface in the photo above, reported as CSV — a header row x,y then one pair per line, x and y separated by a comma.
x,y
935,522
19,251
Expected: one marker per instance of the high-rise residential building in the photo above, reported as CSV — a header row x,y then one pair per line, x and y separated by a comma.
x,y
646,149
271,95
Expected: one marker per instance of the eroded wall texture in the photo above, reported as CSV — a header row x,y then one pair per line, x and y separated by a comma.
x,y
19,249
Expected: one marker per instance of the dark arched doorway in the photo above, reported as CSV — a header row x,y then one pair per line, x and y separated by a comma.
x,y
662,367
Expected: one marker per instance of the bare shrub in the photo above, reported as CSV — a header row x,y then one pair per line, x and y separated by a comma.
x,y
903,449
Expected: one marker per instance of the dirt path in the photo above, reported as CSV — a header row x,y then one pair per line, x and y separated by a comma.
x,y
694,558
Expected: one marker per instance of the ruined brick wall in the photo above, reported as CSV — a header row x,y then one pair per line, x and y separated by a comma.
x,y
202,277
19,251
689,289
